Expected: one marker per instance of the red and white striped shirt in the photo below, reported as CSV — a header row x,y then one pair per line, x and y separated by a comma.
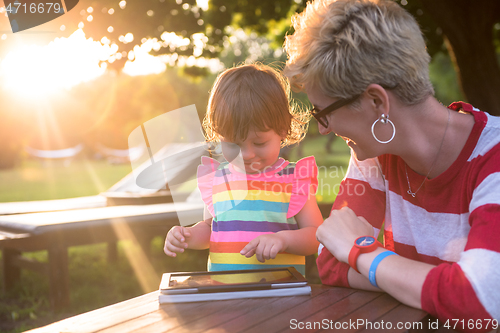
x,y
453,222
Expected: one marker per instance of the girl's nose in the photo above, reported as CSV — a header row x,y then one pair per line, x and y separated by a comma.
x,y
247,153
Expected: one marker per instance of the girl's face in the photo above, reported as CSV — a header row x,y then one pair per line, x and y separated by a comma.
x,y
258,151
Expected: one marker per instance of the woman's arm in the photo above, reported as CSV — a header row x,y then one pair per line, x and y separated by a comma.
x,y
400,277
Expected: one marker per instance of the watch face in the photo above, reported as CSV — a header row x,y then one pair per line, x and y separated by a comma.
x,y
365,241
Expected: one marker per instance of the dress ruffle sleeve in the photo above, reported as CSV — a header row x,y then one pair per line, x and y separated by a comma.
x,y
305,182
205,176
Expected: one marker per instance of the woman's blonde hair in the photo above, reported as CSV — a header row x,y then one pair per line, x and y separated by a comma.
x,y
343,46
252,97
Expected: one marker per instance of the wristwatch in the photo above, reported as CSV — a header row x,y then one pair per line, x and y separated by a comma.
x,y
363,244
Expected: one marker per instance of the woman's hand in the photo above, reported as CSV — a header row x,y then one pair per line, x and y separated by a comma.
x,y
176,241
265,247
340,230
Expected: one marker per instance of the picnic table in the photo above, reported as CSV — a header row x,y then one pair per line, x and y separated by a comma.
x,y
327,308
56,231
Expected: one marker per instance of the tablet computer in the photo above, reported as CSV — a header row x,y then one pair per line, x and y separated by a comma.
x,y
224,281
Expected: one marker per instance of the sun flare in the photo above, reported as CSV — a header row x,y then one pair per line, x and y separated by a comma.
x,y
35,72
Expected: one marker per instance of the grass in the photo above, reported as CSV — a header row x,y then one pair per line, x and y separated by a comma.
x,y
34,180
94,282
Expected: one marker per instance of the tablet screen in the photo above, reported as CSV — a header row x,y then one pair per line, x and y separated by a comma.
x,y
230,278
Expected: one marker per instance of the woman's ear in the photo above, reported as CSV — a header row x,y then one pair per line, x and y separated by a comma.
x,y
378,99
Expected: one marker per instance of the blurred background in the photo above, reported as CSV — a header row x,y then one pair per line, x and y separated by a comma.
x,y
73,89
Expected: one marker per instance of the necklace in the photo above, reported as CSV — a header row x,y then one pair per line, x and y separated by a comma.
x,y
410,192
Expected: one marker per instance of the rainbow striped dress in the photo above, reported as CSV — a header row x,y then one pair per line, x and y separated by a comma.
x,y
245,206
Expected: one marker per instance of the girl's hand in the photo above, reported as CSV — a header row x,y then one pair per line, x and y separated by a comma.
x,y
176,240
265,247
340,230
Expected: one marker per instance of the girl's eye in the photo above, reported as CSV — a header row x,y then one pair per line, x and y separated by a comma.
x,y
259,144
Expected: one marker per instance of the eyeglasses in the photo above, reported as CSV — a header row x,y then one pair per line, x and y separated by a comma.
x,y
320,115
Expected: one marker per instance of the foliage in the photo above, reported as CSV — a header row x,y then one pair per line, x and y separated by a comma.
x,y
184,18
116,22
433,34
444,79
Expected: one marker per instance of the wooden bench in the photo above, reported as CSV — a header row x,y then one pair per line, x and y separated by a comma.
x,y
56,231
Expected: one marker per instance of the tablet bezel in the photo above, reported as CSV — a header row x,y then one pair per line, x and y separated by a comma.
x,y
165,287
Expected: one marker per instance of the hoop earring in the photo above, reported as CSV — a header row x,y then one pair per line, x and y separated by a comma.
x,y
384,120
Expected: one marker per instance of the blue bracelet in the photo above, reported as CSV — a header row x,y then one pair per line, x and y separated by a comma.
x,y
374,265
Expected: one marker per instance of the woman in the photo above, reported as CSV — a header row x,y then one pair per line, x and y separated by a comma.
x,y
429,173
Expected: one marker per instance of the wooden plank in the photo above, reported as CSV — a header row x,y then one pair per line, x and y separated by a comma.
x,y
105,317
340,309
88,234
234,313
177,314
323,297
206,315
58,275
368,313
22,207
412,320
11,273
171,317
38,223
6,237
261,312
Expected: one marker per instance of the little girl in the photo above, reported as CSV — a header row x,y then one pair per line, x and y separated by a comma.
x,y
261,207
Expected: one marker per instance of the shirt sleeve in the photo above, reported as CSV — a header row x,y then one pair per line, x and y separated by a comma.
x,y
305,182
362,190
205,177
469,288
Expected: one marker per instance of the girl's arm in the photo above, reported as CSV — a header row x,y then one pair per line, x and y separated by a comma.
x,y
196,237
199,235
199,238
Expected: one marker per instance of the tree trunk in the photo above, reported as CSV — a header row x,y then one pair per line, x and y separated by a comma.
x,y
468,27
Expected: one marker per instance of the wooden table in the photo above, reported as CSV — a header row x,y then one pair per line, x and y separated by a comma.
x,y
328,307
56,231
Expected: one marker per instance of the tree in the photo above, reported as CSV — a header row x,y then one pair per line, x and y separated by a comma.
x,y
468,30
465,27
